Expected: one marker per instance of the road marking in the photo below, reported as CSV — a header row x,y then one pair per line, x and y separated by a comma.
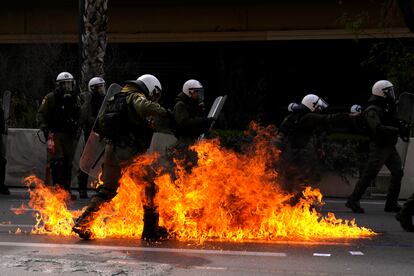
x,y
209,267
146,249
356,253
22,209
321,254
362,202
17,225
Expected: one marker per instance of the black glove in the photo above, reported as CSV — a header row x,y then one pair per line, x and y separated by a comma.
x,y
211,120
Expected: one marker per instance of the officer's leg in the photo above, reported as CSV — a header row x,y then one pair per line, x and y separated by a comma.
x,y
110,176
405,216
82,183
57,171
83,178
56,159
376,159
3,188
151,231
394,164
69,148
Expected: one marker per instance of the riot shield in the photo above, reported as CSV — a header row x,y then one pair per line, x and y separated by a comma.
x,y
405,113
160,142
92,156
216,107
215,111
405,108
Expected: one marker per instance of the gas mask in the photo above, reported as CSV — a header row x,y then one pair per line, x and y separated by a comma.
x,y
197,94
99,89
65,88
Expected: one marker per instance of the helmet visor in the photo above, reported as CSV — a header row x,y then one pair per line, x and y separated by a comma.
x,y
67,86
197,93
99,88
156,94
320,105
389,92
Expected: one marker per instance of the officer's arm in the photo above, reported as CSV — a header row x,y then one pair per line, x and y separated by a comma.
x,y
42,114
373,120
182,118
146,108
314,120
377,127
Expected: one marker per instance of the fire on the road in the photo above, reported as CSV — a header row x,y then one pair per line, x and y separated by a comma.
x,y
227,196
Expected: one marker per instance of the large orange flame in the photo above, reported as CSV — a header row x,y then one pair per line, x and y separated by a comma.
x,y
227,196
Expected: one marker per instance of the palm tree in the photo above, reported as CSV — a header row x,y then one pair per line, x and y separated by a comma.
x,y
94,40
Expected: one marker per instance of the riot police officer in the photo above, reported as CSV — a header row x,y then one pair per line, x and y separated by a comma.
x,y
405,216
298,157
125,126
190,122
189,114
3,161
58,118
91,102
383,130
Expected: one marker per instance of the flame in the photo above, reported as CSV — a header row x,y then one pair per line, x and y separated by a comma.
x,y
228,196
21,210
52,214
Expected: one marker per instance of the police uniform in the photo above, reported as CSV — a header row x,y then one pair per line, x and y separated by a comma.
x,y
3,161
298,157
90,104
405,216
190,123
59,114
190,119
379,117
126,117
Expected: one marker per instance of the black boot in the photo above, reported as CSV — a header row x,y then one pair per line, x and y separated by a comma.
x,y
392,208
405,219
81,226
152,232
354,206
4,190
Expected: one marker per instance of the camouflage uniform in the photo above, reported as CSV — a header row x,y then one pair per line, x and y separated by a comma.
x,y
190,123
59,115
133,140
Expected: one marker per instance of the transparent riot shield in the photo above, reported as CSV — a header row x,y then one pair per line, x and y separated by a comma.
x,y
405,113
92,156
215,111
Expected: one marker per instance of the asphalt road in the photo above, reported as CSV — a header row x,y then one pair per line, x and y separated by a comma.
x,y
391,253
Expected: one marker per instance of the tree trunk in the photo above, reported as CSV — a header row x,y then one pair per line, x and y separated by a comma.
x,y
93,40
408,13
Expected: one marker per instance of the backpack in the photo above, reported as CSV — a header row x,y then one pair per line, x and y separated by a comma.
x,y
114,122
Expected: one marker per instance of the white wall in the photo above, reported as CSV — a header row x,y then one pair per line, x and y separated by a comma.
x,y
26,155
